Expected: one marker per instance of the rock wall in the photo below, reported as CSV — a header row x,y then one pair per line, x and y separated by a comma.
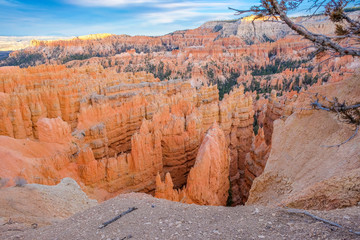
x,y
114,132
301,171
208,180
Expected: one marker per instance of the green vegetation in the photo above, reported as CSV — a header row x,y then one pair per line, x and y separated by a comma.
x,y
24,59
249,42
267,39
255,86
226,86
255,125
277,66
217,28
4,54
160,71
76,56
229,201
352,9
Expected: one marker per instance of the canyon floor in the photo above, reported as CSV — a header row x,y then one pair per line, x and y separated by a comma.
x,y
163,219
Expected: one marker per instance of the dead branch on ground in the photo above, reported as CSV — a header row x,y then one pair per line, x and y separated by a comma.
x,y
300,211
117,217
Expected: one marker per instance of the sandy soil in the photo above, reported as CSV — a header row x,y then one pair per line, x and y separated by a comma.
x,y
162,219
34,205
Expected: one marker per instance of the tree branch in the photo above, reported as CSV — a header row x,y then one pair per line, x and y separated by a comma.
x,y
317,39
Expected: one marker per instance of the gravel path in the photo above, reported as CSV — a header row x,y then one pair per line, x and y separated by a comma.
x,y
162,219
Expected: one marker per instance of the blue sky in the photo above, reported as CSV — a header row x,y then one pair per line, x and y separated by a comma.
x,y
135,17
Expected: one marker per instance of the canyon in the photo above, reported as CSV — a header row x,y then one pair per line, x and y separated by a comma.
x,y
216,115
114,132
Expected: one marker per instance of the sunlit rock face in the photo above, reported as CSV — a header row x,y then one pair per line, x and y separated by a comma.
x,y
114,132
303,171
208,180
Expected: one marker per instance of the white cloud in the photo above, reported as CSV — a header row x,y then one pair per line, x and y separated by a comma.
x,y
110,3
166,4
192,5
183,15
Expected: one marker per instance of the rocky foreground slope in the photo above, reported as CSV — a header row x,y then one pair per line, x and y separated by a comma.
x,y
34,205
302,171
162,219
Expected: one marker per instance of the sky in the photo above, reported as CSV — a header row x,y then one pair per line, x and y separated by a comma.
x,y
67,18
132,17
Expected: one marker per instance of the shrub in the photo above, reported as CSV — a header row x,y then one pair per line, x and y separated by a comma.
x,y
20,181
3,182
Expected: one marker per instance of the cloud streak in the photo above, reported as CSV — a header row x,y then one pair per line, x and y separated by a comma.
x,y
175,5
183,15
81,17
111,3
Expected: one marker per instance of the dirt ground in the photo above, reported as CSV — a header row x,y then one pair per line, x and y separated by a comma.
x,y
162,219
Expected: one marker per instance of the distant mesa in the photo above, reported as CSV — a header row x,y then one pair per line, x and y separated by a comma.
x,y
98,36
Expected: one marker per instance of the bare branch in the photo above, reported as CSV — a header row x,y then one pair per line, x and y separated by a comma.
x,y
347,140
315,38
334,10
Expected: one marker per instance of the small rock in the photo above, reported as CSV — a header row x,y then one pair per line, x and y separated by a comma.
x,y
3,220
256,211
217,232
261,236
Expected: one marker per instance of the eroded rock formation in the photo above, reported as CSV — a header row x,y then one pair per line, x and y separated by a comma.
x,y
208,181
114,132
301,170
114,121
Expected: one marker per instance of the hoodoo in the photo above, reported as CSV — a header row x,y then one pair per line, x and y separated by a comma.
x,y
208,180
217,132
